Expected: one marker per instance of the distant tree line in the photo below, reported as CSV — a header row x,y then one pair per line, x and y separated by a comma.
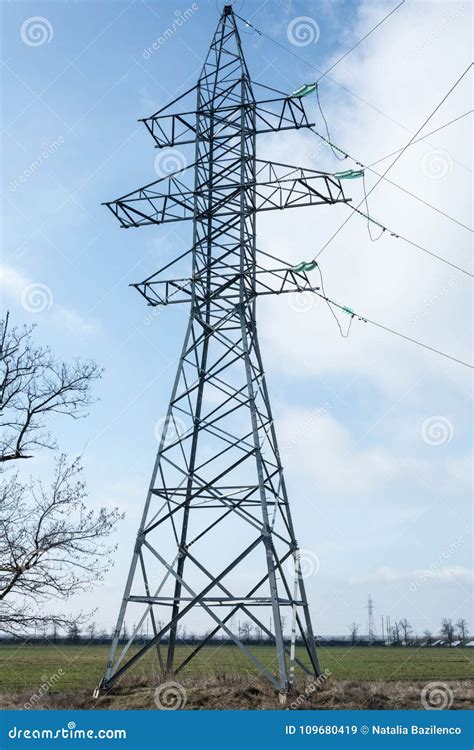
x,y
401,634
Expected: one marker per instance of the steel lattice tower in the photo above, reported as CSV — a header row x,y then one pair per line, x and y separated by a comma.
x,y
370,620
216,531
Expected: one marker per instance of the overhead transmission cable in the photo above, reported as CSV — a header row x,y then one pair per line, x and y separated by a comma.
x,y
392,164
361,40
323,74
343,154
311,266
432,132
391,330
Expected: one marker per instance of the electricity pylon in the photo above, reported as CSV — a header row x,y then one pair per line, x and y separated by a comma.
x,y
216,532
370,620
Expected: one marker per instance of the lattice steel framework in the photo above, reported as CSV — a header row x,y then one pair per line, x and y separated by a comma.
x,y
216,531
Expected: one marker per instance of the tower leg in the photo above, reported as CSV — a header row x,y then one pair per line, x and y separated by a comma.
x,y
266,531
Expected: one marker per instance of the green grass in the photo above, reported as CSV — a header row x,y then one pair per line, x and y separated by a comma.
x,y
26,667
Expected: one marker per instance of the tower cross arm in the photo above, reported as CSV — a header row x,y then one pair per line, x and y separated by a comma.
x,y
276,185
225,285
271,115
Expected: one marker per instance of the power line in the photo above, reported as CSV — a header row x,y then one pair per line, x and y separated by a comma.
x,y
421,128
354,209
362,40
348,311
334,149
333,80
322,74
337,149
432,132
391,330
409,242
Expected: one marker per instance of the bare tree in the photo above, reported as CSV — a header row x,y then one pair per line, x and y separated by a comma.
x,y
33,386
406,629
396,633
462,630
51,546
103,635
91,630
246,630
354,631
73,633
428,636
447,630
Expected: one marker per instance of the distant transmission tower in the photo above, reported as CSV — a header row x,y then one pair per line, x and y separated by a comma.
x,y
216,533
370,620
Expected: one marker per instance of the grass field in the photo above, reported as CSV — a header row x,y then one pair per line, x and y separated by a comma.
x,y
25,667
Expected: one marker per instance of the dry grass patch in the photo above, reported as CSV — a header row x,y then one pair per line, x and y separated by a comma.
x,y
240,693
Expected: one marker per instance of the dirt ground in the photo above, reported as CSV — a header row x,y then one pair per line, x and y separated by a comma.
x,y
255,693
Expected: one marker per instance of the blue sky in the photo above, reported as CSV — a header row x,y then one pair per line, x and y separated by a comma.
x,y
372,497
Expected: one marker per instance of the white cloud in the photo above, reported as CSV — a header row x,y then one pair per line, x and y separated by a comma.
x,y
38,298
386,574
317,448
388,281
